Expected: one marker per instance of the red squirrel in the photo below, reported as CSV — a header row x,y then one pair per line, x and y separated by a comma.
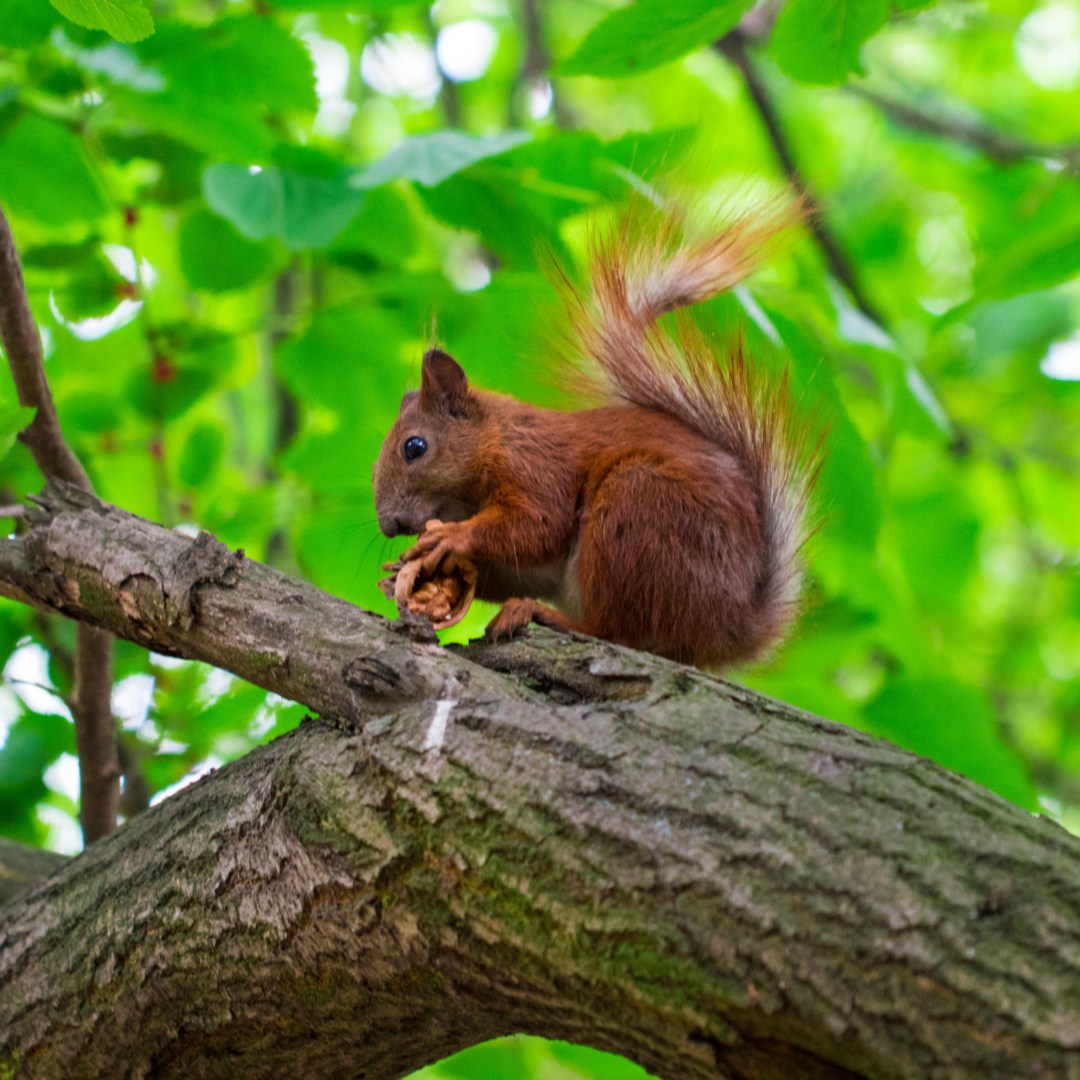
x,y
671,518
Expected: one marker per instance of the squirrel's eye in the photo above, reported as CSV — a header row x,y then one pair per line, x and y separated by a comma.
x,y
414,447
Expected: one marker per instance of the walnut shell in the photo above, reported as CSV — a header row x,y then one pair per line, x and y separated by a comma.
x,y
444,597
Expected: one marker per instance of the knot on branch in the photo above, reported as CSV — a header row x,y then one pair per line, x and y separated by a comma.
x,y
82,543
207,561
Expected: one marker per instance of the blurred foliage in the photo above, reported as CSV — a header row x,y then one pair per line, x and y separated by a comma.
x,y
240,220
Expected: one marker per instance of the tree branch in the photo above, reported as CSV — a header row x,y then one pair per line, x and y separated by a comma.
x,y
22,343
597,845
733,46
996,145
21,865
95,729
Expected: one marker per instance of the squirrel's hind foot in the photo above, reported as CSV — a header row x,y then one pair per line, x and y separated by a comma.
x,y
517,613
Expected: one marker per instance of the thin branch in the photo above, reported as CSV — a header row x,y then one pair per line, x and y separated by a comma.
x,y
22,343
534,72
95,733
135,798
733,46
449,94
95,730
996,145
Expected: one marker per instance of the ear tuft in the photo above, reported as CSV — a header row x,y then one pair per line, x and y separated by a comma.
x,y
443,385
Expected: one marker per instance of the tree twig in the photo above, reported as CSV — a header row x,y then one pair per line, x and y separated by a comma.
x,y
996,145
95,730
733,46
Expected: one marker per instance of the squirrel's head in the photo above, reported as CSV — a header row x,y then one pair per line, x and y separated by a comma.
x,y
427,467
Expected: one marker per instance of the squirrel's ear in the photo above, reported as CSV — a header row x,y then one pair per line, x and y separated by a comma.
x,y
407,399
443,385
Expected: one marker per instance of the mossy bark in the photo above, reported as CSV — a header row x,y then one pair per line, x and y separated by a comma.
x,y
556,836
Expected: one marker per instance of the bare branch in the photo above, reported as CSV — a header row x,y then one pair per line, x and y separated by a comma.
x,y
22,343
95,730
733,46
95,733
996,145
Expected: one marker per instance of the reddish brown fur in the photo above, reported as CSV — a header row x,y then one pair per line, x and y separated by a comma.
x,y
671,521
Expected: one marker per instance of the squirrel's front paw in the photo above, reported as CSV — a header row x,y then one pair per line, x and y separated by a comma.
x,y
438,540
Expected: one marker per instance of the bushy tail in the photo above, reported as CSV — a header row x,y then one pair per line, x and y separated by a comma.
x,y
639,274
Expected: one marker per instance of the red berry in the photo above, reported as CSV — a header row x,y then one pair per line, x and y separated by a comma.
x,y
163,370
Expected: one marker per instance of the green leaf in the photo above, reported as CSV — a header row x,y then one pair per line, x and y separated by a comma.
x,y
953,724
33,742
818,41
495,207
431,159
93,290
214,256
499,1059
125,20
1038,260
188,362
90,412
61,256
650,33
202,453
26,23
44,174
12,421
937,536
589,1064
383,231
370,6
344,361
846,500
227,85
301,211
1028,322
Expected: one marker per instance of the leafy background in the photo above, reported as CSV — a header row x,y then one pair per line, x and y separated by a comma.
x,y
239,219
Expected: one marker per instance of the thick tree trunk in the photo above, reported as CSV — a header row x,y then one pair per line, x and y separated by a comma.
x,y
558,837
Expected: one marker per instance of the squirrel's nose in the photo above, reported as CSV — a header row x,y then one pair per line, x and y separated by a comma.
x,y
390,526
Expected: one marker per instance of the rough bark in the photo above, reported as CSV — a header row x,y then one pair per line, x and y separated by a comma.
x,y
558,837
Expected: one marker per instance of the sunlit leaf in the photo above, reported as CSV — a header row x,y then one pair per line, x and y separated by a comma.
x,y
12,421
818,41
44,174
1039,259
301,211
430,159
649,33
125,20
226,84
